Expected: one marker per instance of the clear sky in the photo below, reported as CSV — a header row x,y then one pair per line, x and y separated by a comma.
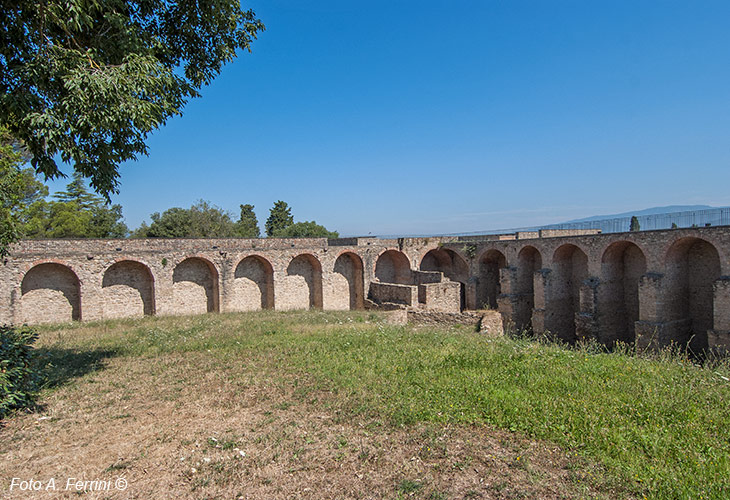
x,y
404,117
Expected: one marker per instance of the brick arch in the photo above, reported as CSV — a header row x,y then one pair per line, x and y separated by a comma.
x,y
50,292
128,290
570,269
529,261
195,286
307,268
392,266
691,267
488,285
451,264
253,284
623,264
349,265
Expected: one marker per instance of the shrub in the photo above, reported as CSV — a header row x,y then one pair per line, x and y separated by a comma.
x,y
18,379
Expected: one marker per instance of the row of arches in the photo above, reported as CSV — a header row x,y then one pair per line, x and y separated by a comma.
x,y
53,292
691,267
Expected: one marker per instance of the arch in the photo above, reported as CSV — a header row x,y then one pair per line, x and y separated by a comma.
x,y
622,266
306,291
488,286
529,261
570,268
253,285
195,287
451,264
49,293
393,266
128,290
691,267
349,265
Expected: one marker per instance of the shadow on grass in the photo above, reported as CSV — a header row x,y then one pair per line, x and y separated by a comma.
x,y
58,366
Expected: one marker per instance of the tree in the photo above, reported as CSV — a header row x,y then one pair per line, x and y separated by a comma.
x,y
306,230
201,220
247,225
77,214
280,218
634,224
13,192
674,225
86,82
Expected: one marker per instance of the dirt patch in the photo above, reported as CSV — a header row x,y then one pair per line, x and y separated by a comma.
x,y
197,426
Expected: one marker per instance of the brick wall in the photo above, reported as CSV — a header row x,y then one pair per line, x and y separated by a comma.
x,y
673,282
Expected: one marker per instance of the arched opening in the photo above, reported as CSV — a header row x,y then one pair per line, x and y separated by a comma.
x,y
451,264
195,287
306,292
128,290
488,286
529,261
570,268
622,266
50,293
253,285
692,266
393,267
349,266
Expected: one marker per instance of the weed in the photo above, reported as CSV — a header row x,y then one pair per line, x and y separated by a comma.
x,y
408,486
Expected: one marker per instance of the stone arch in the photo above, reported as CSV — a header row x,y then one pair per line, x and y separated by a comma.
x,y
349,265
253,285
529,261
49,293
451,264
622,266
691,267
570,269
393,266
488,285
195,287
128,290
306,293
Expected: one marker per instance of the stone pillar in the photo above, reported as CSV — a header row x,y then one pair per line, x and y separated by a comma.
x,y
470,293
650,326
586,320
506,299
541,285
719,337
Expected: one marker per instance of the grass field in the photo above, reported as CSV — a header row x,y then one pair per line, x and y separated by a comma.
x,y
345,405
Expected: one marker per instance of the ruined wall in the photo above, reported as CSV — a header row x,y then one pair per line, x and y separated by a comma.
x,y
652,287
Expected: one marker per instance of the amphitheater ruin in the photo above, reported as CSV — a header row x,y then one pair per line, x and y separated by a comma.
x,y
651,288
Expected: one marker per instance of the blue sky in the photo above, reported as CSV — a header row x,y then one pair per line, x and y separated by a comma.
x,y
409,117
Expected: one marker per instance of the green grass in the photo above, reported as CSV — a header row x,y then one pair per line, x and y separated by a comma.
x,y
659,425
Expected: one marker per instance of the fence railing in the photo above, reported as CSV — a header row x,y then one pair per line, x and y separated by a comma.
x,y
692,218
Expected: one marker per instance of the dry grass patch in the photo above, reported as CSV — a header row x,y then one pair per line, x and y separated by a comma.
x,y
206,424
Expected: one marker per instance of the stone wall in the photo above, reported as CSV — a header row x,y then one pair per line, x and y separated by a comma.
x,y
650,287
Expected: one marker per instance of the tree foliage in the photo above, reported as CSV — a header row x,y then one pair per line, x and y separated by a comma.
x,y
280,218
202,220
77,213
12,189
247,225
634,224
88,80
306,230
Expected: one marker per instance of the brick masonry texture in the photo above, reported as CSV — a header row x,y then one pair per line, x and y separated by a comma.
x,y
651,287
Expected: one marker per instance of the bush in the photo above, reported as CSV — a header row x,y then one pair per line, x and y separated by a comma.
x,y
18,379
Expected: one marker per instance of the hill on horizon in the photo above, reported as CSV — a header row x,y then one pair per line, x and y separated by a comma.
x,y
646,211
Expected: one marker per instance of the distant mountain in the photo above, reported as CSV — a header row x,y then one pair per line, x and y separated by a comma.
x,y
647,211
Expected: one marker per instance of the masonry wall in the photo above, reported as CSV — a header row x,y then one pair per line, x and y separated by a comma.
x,y
651,287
